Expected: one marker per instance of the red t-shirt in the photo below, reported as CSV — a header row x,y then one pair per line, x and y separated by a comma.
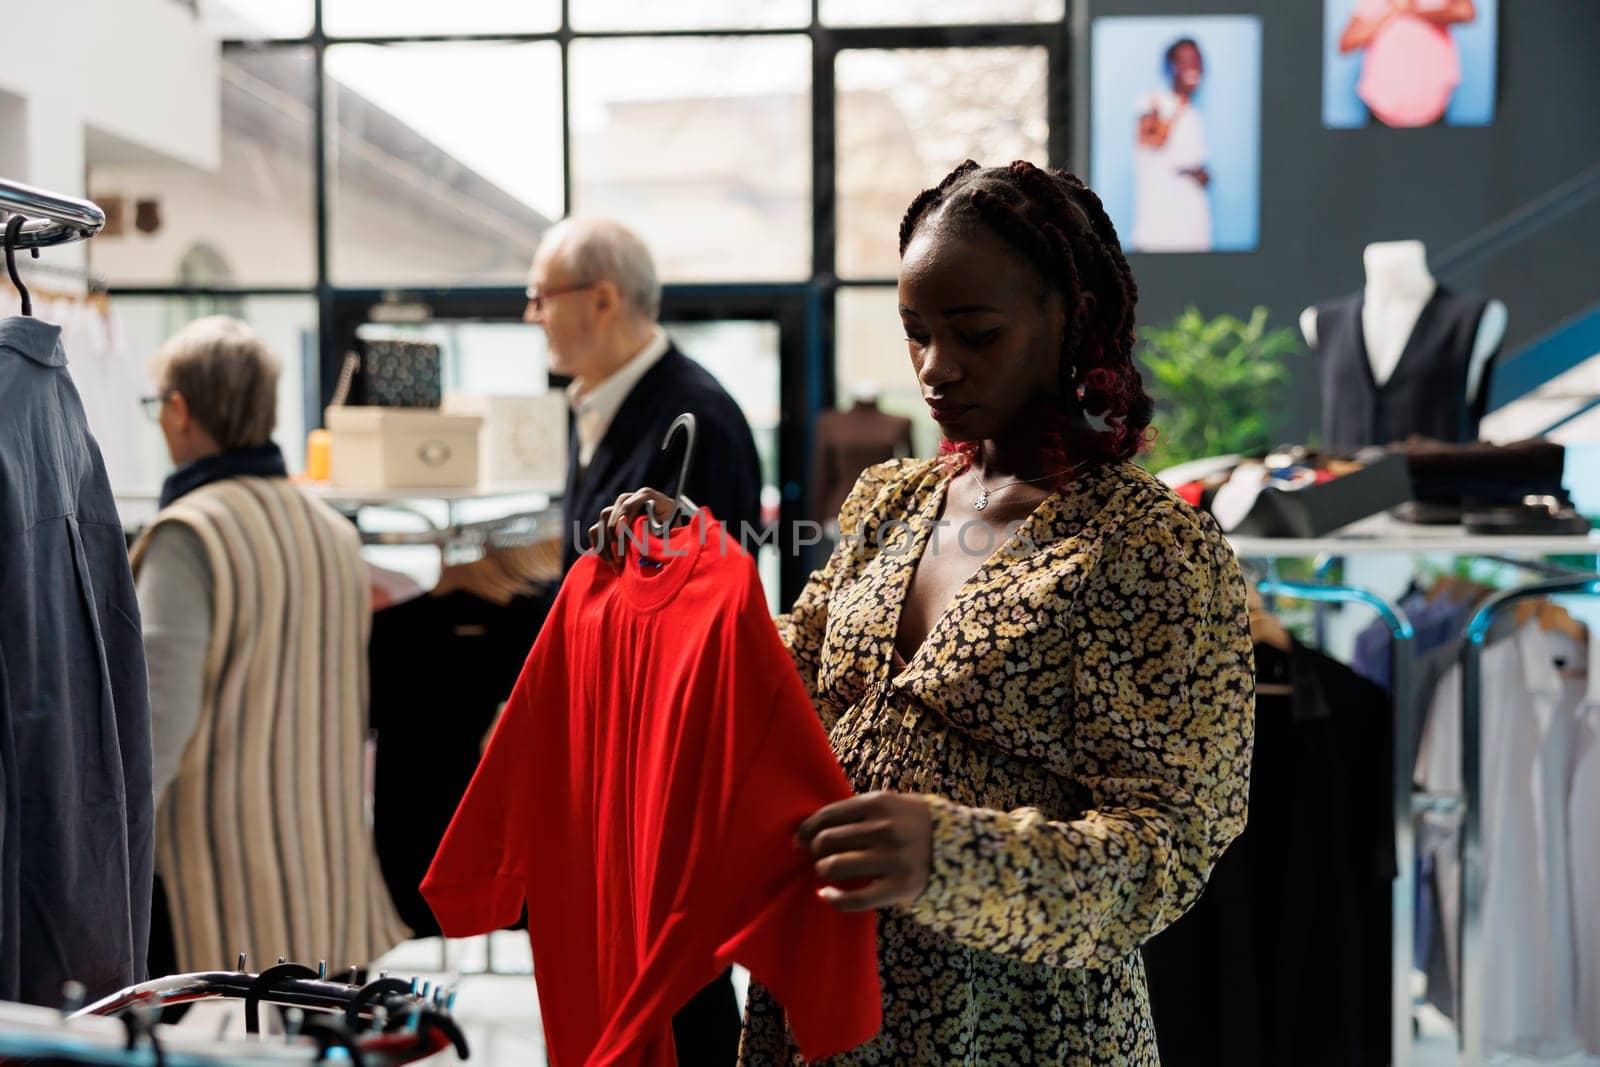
x,y
641,793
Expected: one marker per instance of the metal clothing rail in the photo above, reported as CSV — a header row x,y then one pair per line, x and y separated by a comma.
x,y
386,1022
1470,918
1380,541
507,531
1402,889
51,218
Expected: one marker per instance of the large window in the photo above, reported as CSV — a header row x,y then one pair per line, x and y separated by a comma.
x,y
410,154
400,18
937,12
703,145
248,222
906,116
635,15
440,187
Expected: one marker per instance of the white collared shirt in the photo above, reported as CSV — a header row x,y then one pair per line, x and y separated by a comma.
x,y
594,407
1532,930
1583,800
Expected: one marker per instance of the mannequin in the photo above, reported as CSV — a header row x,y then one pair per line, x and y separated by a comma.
x,y
848,442
1399,289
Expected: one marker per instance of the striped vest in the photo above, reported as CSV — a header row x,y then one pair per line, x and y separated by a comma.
x,y
262,839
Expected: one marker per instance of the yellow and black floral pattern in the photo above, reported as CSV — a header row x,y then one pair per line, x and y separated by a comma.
x,y
1081,720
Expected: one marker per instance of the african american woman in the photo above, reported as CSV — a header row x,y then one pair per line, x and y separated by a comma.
x,y
1033,660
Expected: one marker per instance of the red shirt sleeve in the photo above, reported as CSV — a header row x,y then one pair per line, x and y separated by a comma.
x,y
819,963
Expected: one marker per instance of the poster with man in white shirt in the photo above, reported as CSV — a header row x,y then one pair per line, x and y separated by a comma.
x,y
1181,172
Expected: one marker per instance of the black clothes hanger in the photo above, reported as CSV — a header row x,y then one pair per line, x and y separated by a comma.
x,y
373,991
681,506
263,984
13,231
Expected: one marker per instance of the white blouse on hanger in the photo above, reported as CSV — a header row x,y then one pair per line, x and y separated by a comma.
x,y
1529,729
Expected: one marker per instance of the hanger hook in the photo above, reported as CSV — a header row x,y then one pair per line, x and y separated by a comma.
x,y
687,422
13,233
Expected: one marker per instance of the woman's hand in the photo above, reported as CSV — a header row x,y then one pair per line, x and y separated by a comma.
x,y
1153,133
884,840
606,534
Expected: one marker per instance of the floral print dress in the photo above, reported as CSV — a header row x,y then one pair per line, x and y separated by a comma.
x,y
1080,718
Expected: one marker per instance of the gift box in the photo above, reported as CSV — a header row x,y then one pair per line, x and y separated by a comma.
x,y
523,439
402,448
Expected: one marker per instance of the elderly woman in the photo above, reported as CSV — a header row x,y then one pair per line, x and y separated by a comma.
x,y
256,614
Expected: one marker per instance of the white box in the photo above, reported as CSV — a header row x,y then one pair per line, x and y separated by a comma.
x,y
402,448
524,438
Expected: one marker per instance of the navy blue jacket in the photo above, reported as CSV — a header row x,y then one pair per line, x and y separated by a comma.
x,y
76,817
725,474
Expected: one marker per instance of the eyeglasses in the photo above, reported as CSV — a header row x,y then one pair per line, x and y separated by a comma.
x,y
537,298
152,405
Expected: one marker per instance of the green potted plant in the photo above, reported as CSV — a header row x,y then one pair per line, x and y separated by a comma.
x,y
1218,384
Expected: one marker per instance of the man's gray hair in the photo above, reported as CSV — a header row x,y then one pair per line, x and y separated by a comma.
x,y
227,374
595,250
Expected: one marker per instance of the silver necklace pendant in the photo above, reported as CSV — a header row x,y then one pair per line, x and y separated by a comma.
x,y
982,501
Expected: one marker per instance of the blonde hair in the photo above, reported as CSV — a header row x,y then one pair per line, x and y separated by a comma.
x,y
228,376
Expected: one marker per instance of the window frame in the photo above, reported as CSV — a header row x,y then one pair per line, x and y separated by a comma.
x,y
804,310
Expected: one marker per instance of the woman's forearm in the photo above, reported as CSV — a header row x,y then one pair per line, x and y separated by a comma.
x,y
1358,33
1452,13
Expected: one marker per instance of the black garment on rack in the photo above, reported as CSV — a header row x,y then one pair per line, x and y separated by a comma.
x,y
77,816
1427,393
441,667
1285,959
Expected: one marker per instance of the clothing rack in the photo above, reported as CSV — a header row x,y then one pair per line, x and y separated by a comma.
x,y
1380,537
1402,891
386,1021
1470,918
51,218
509,531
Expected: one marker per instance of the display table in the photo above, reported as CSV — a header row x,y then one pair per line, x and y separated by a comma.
x,y
1381,535
341,496
452,517
449,515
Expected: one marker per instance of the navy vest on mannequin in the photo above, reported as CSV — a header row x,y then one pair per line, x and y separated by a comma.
x,y
1427,393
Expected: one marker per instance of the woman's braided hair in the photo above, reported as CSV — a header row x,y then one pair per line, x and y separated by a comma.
x,y
1058,222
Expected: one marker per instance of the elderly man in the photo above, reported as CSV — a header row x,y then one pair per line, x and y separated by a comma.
x,y
593,288
255,611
